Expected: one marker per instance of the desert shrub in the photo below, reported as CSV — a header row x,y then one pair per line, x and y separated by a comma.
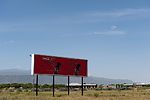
x,y
59,86
98,89
45,86
59,95
4,86
27,86
89,94
96,94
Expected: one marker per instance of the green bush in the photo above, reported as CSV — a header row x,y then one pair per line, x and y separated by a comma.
x,y
29,85
96,94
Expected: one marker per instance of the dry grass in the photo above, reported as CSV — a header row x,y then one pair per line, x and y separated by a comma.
x,y
88,95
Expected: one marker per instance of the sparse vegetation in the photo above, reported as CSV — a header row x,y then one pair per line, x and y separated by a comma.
x,y
17,85
24,92
96,94
76,95
29,86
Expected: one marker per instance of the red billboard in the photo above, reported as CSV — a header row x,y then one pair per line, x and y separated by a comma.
x,y
52,65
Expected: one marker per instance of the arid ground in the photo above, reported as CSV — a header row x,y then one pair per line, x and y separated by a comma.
x,y
76,95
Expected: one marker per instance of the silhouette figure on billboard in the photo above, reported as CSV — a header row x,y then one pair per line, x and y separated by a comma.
x,y
77,69
57,68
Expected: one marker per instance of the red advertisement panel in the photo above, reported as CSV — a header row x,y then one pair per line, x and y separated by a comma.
x,y
43,64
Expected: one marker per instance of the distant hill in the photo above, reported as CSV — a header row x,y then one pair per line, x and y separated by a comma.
x,y
14,72
23,76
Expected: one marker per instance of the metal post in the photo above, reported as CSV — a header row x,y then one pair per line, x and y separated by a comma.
x,y
82,85
33,83
36,85
68,84
53,85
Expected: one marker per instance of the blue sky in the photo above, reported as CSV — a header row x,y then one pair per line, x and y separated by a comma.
x,y
114,35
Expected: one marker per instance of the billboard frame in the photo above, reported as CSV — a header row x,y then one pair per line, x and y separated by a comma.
x,y
33,59
37,75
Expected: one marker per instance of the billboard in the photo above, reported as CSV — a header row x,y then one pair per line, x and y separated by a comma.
x,y
52,65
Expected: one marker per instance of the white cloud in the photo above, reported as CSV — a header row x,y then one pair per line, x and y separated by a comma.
x,y
122,13
44,24
114,27
107,15
112,31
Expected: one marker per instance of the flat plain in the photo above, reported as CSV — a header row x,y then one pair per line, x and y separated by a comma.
x,y
76,95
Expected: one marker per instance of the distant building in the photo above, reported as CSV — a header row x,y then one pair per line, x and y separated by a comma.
x,y
85,85
134,85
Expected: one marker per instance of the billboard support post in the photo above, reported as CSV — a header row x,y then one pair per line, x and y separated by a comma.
x,y
53,85
36,85
82,85
33,83
68,84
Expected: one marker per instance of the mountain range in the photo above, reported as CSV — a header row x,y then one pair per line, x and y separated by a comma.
x,y
23,76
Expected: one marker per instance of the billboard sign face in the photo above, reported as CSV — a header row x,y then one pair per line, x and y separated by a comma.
x,y
52,65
